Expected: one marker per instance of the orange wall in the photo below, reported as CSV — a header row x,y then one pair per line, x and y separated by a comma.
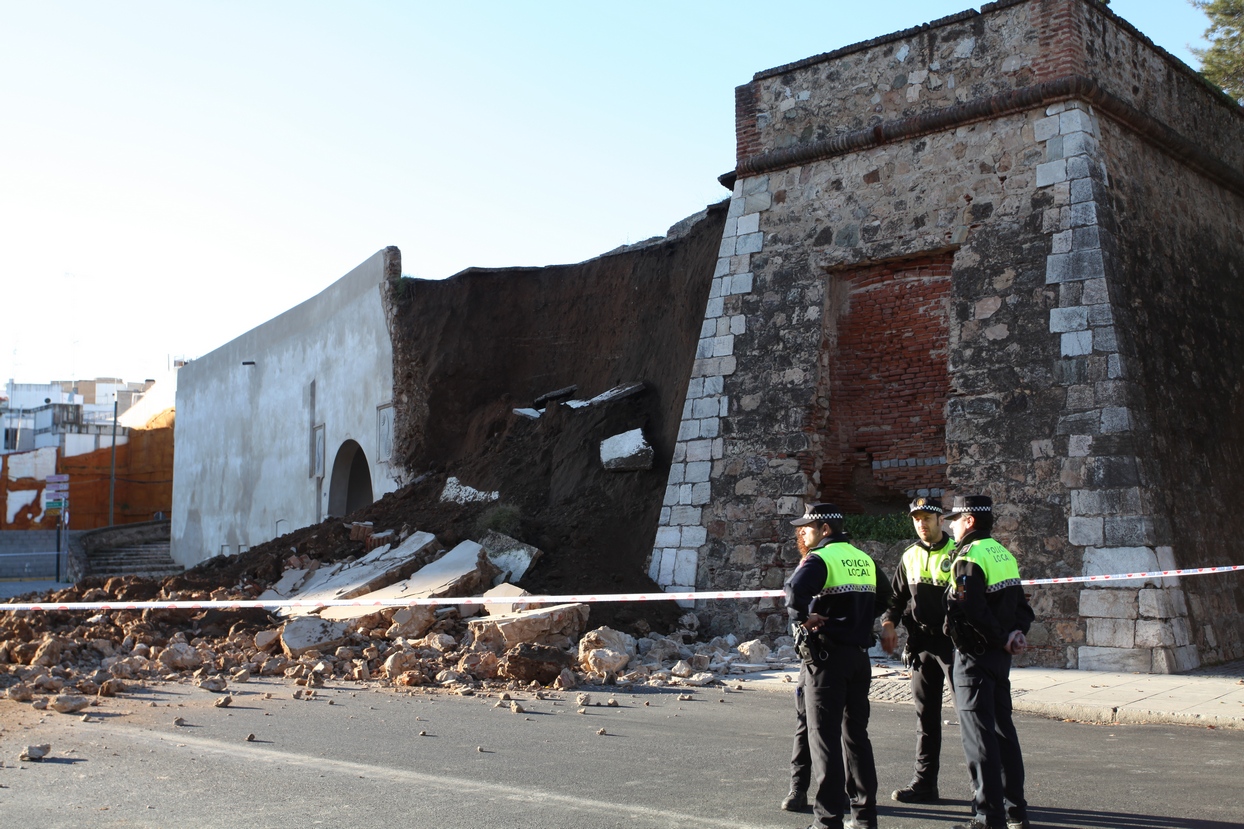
x,y
144,485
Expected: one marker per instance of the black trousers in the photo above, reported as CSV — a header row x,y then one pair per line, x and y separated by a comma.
x,y
930,673
801,755
836,702
990,744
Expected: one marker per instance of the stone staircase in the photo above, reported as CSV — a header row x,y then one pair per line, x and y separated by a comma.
x,y
151,560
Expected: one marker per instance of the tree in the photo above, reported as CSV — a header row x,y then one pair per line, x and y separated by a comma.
x,y
1223,61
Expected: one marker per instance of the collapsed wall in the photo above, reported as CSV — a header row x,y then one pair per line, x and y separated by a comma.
x,y
469,350
995,253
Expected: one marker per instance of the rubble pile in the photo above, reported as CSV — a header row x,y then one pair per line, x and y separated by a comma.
x,y
61,661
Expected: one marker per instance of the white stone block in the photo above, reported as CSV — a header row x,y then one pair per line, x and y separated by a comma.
x,y
713,385
1045,128
751,243
714,308
678,473
1068,319
1051,172
698,471
668,536
1085,532
693,536
1110,633
684,566
671,495
1079,446
1120,660
705,407
689,430
684,516
1061,242
741,283
1077,343
684,493
1074,120
1154,633
724,409
738,324
727,246
1162,603
1108,604
1119,561
710,427
666,575
748,224
723,346
700,450
654,566
701,494
731,229
723,267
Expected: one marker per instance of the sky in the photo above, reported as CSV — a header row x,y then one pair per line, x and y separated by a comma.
x,y
174,174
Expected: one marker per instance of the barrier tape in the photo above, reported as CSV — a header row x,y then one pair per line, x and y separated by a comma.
x,y
480,600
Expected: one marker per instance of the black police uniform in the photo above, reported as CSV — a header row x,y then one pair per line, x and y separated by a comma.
x,y
985,605
919,603
834,679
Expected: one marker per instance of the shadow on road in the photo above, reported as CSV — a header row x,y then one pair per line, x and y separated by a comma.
x,y
1087,819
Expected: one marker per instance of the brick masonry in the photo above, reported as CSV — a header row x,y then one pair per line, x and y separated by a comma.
x,y
985,196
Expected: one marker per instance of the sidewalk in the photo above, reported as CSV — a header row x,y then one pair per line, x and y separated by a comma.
x,y
1213,697
13,589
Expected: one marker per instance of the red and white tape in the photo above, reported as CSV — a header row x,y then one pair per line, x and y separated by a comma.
x,y
586,597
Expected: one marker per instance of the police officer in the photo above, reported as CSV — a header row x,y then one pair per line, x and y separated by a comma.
x,y
833,597
987,616
919,602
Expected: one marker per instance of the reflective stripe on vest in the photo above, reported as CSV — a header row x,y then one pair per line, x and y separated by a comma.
x,y
847,569
929,566
996,562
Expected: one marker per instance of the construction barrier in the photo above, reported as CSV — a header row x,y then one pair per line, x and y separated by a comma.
x,y
592,597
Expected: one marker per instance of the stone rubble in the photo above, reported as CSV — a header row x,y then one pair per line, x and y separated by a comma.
x,y
68,661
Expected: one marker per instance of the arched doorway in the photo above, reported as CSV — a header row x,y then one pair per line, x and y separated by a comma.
x,y
349,488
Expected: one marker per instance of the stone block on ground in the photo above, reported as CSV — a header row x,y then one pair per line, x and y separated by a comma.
x,y
411,622
512,557
306,633
558,625
627,452
506,590
607,638
463,571
534,663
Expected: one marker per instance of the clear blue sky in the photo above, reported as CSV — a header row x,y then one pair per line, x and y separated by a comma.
x,y
173,174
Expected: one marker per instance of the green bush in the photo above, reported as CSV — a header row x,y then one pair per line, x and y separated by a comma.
x,y
892,527
503,518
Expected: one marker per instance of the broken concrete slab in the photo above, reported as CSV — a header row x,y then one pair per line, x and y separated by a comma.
x,y
463,571
530,414
559,394
502,590
511,556
289,583
411,622
350,579
627,452
558,626
617,393
306,633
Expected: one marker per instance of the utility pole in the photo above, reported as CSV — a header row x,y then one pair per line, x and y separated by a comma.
x,y
112,477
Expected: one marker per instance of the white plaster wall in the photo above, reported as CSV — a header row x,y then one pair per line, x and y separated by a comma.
x,y
243,433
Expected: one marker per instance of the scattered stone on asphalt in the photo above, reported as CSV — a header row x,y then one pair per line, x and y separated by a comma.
x,y
601,732
36,753
69,703
223,702
250,738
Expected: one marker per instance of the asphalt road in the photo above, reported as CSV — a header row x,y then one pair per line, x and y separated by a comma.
x,y
719,759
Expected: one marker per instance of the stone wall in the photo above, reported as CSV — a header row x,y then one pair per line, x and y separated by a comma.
x,y
989,145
